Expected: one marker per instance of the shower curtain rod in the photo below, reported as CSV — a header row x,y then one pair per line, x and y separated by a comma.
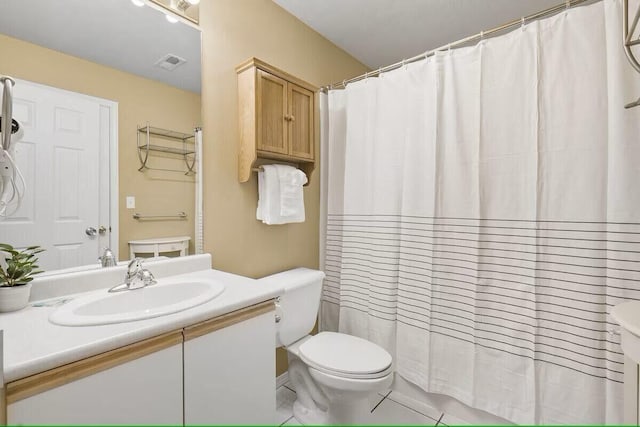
x,y
481,35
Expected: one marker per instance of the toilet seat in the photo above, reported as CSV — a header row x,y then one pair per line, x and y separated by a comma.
x,y
345,356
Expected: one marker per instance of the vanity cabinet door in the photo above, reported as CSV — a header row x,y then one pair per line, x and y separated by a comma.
x,y
229,368
145,390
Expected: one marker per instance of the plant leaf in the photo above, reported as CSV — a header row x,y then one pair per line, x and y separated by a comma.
x,y
20,265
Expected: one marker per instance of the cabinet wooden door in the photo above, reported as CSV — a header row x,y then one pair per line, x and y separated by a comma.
x,y
271,113
229,374
301,110
147,390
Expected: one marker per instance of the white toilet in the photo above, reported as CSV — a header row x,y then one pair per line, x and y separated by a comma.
x,y
333,374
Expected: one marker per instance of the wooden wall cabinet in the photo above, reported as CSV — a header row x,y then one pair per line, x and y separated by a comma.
x,y
277,118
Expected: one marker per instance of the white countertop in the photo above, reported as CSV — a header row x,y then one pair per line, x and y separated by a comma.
x,y
32,344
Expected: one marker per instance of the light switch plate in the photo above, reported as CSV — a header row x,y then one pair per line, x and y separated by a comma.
x,y
131,202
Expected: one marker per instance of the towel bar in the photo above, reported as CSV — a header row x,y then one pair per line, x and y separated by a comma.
x,y
306,171
179,215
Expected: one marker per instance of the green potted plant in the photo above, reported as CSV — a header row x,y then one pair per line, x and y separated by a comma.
x,y
16,275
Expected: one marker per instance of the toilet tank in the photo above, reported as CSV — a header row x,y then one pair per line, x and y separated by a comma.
x,y
298,305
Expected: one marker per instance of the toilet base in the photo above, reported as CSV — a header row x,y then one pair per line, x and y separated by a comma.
x,y
350,411
311,403
340,412
309,416
319,400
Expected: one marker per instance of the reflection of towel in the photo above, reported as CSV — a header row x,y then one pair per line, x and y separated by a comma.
x,y
280,195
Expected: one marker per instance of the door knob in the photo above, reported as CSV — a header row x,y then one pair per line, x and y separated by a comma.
x,y
91,232
102,229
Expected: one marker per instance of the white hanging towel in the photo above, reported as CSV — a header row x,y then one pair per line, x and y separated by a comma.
x,y
280,195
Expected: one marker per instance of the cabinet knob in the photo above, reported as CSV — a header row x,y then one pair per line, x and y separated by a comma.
x,y
292,119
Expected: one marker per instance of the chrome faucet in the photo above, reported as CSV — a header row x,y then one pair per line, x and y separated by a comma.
x,y
133,272
107,259
135,277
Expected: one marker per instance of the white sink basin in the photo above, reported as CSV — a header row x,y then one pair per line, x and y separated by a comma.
x,y
102,307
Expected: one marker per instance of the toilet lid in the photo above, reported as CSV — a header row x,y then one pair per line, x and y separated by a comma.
x,y
344,354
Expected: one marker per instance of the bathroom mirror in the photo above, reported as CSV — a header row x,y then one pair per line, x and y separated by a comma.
x,y
134,67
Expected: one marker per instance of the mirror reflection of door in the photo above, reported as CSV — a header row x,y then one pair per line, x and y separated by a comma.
x,y
60,156
113,53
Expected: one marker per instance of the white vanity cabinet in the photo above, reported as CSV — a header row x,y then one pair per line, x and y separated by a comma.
x,y
221,371
140,384
229,369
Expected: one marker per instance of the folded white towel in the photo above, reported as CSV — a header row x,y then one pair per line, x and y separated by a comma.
x,y
291,194
280,195
268,191
261,195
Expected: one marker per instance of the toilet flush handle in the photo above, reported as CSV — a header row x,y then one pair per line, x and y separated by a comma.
x,y
278,310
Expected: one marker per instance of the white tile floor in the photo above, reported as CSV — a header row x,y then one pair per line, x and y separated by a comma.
x,y
388,408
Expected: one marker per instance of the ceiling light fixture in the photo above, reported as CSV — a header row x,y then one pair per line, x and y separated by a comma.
x,y
181,5
138,3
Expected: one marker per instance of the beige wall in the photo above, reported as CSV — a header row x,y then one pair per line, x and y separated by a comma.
x,y
139,100
232,31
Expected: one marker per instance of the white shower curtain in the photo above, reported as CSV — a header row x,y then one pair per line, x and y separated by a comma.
x,y
483,217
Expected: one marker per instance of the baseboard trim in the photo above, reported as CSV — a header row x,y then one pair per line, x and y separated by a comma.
x,y
282,379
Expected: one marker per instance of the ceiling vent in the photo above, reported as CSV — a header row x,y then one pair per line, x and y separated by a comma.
x,y
170,62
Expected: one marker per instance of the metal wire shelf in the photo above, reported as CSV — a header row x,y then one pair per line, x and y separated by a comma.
x,y
187,149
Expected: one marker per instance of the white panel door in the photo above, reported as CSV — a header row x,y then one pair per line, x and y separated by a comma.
x,y
59,158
